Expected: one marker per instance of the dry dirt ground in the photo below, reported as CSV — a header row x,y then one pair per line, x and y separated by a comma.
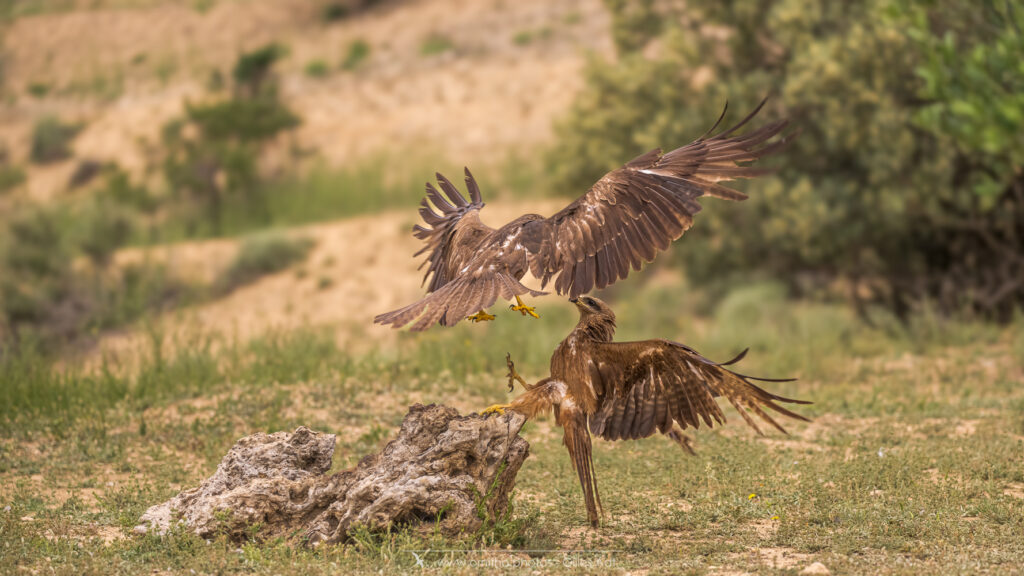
x,y
125,72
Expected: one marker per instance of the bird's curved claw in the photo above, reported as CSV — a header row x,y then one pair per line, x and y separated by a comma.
x,y
498,409
481,316
523,308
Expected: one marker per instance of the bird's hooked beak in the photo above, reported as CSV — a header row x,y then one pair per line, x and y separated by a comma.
x,y
579,303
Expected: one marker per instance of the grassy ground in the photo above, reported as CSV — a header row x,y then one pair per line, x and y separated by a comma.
x,y
911,465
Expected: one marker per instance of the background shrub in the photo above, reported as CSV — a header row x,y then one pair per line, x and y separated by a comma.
x,y
316,69
51,139
264,254
358,52
212,152
907,188
10,177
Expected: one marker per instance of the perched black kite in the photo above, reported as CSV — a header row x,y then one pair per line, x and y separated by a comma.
x,y
630,390
621,222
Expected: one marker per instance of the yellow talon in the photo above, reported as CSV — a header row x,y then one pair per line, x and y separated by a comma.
x,y
498,409
523,308
481,316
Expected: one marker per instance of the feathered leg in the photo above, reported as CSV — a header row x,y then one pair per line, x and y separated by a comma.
x,y
577,442
541,397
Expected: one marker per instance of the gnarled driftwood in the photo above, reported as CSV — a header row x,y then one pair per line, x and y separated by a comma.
x,y
443,469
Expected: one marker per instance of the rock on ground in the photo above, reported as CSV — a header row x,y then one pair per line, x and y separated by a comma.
x,y
443,470
817,569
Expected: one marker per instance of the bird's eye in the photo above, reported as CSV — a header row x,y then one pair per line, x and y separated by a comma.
x,y
591,302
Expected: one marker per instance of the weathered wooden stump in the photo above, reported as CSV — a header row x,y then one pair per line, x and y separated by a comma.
x,y
443,470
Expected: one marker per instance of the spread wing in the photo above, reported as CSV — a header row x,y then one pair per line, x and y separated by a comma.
x,y
646,386
449,236
639,209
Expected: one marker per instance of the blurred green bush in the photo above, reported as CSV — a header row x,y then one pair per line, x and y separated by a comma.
x,y
317,69
906,186
10,177
56,279
261,255
36,268
51,139
357,53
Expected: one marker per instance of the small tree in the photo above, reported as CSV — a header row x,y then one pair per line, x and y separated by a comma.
x,y
253,71
212,151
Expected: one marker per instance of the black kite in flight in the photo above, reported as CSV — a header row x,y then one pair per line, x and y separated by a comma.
x,y
630,390
621,222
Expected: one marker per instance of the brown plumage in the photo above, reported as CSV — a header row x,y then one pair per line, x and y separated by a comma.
x,y
621,222
630,390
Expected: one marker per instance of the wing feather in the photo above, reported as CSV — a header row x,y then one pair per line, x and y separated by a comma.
x,y
629,411
450,191
661,403
473,187
447,226
643,206
650,384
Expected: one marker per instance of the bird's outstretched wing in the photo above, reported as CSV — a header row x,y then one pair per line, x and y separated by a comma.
x,y
640,208
647,385
444,231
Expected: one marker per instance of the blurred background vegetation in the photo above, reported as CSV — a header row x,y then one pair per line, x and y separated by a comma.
x,y
902,195
906,184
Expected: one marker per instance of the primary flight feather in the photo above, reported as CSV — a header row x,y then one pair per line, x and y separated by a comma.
x,y
624,220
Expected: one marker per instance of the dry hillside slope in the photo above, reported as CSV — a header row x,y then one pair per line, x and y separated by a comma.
x,y
501,72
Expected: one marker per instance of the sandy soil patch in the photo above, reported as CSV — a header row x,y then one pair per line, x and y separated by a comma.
x,y
1015,490
765,529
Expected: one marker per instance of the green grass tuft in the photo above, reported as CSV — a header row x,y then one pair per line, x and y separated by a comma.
x,y
436,44
317,69
357,54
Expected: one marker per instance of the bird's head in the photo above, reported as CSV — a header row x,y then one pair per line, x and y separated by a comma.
x,y
596,317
